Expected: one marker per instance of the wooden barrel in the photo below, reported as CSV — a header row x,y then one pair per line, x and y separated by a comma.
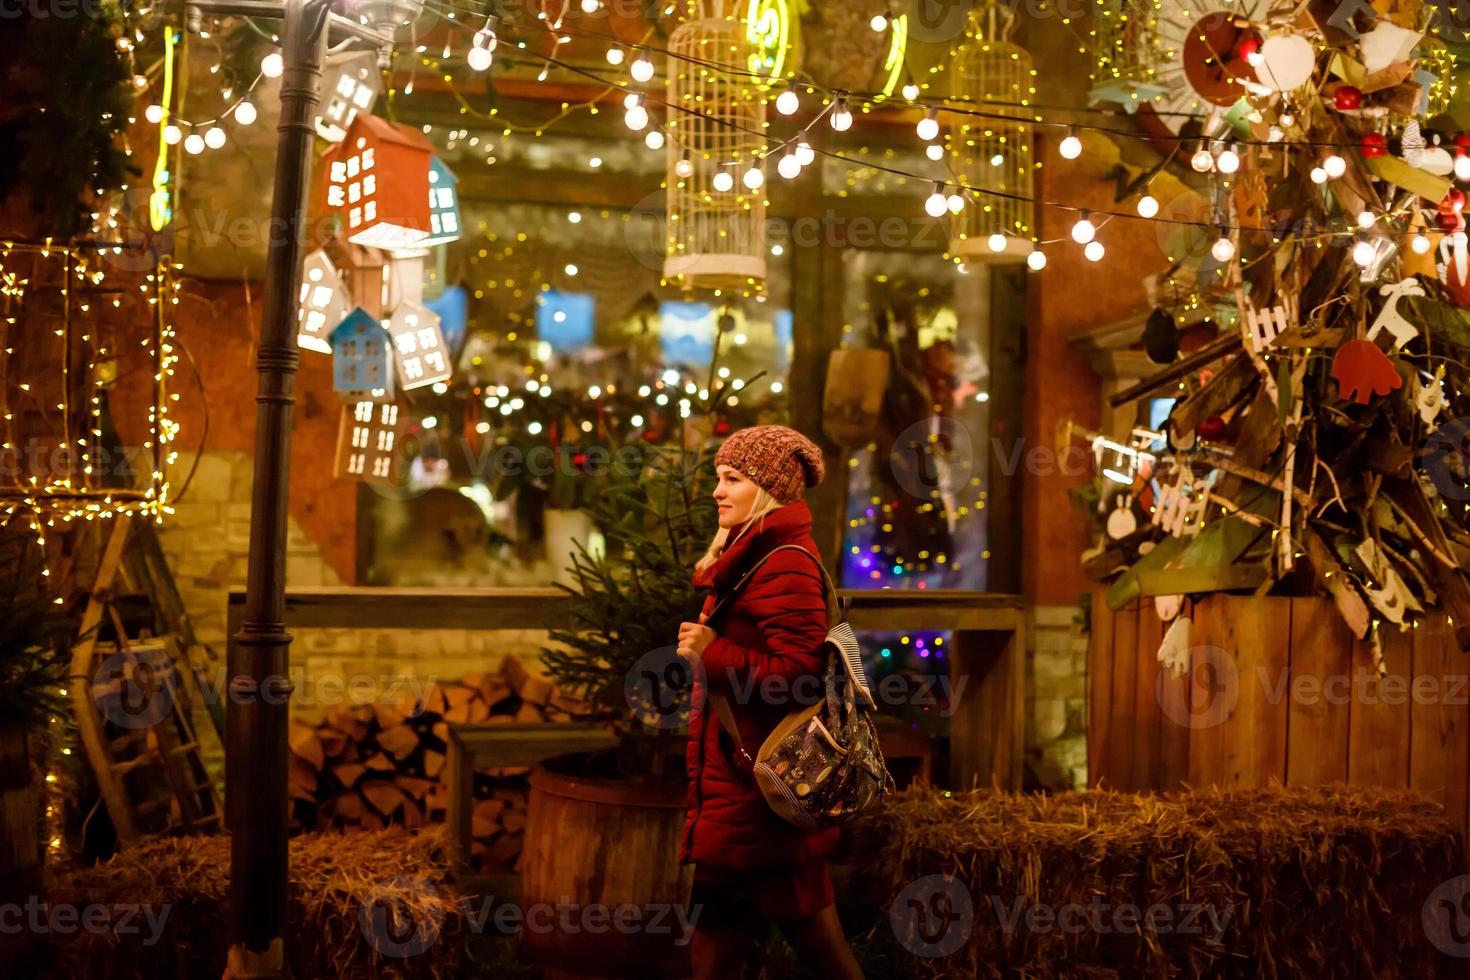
x,y
602,890
20,843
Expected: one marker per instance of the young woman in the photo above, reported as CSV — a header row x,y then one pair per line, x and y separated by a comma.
x,y
751,868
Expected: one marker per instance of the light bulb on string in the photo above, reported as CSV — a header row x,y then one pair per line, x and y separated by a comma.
x,y
1334,166
642,67
1365,219
1228,161
936,203
754,178
685,167
478,58
194,143
934,151
1036,261
841,118
1148,205
272,65
1363,252
616,56
997,242
879,23
1084,230
214,137
955,202
654,140
591,6
722,181
788,103
1202,161
1420,244
1224,249
153,114
804,153
245,113
928,127
1071,145
1318,175
1094,251
636,118
789,166
172,134
910,91
1462,167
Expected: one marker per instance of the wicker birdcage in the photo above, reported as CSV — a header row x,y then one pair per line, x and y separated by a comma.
x,y
717,115
992,84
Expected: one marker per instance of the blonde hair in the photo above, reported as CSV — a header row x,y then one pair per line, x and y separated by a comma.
x,y
764,503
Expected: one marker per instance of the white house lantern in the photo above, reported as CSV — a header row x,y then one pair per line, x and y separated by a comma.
x,y
375,183
367,442
350,85
443,205
716,126
418,346
992,154
324,302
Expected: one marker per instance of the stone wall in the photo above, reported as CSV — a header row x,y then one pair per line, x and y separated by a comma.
x,y
1056,698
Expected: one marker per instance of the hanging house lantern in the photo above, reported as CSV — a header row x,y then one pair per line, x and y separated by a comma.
x,y
367,442
375,183
992,154
361,367
716,227
350,85
443,205
418,346
324,303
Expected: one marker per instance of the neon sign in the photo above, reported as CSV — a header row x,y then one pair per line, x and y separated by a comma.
x,y
898,46
768,29
160,212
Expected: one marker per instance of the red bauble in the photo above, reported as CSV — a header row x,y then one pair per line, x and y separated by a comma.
x,y
1211,429
1374,145
1347,97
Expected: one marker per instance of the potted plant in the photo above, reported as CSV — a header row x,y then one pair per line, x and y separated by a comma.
x,y
34,635
604,829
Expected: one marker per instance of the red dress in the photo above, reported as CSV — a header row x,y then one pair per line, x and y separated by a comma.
x,y
745,856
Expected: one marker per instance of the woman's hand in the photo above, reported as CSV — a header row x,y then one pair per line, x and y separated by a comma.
x,y
693,638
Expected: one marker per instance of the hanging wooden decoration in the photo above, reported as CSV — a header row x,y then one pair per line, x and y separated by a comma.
x,y
991,153
852,400
717,119
1122,522
367,442
350,85
1174,650
1362,371
1430,400
1180,509
360,364
1263,326
324,302
418,346
444,224
376,181
1389,318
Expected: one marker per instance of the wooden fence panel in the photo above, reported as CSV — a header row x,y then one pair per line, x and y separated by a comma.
x,y
1439,720
1125,716
1208,686
1317,718
1099,687
1253,732
1378,714
1146,698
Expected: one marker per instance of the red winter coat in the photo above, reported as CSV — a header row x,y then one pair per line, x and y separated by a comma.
x,y
774,627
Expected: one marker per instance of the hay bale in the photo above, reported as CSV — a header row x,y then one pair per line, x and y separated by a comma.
x,y
1263,883
362,905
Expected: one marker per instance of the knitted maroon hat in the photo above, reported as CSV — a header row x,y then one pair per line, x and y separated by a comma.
x,y
780,461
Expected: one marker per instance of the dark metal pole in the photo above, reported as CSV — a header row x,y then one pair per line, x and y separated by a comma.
x,y
258,711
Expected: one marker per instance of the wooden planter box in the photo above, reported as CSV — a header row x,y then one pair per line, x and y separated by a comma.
x,y
1277,689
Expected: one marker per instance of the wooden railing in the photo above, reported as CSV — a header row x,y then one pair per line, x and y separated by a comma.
x,y
987,651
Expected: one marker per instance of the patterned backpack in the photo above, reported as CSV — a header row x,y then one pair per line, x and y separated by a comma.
x,y
821,765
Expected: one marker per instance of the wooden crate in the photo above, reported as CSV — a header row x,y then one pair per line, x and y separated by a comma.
x,y
1277,688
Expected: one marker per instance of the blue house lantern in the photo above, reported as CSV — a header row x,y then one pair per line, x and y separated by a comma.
x,y
362,364
443,205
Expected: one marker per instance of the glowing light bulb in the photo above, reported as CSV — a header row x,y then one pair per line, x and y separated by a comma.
x,y
997,242
804,153
1148,206
911,91
616,56
685,167
841,118
1363,252
245,113
722,181
879,23
788,102
479,58
1202,161
1318,175
928,127
591,6
654,140
936,203
636,118
1084,230
754,178
1224,249
272,65
1229,161
1036,261
1365,219
172,134
789,166
153,114
214,137
1335,166
1094,251
1420,244
1462,167
642,68
1071,146
955,202
194,143
934,151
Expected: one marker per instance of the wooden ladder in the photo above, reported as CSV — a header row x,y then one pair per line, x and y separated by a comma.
x,y
132,700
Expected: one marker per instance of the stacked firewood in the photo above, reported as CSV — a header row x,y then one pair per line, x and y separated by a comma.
x,y
372,765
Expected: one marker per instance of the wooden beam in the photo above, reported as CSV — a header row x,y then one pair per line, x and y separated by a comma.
x,y
1007,405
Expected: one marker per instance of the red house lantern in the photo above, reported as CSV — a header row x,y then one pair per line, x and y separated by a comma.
x,y
375,183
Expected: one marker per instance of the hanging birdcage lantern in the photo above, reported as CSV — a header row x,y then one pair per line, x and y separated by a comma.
x,y
993,85
716,177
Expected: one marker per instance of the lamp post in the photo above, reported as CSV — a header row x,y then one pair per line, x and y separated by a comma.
x,y
257,715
